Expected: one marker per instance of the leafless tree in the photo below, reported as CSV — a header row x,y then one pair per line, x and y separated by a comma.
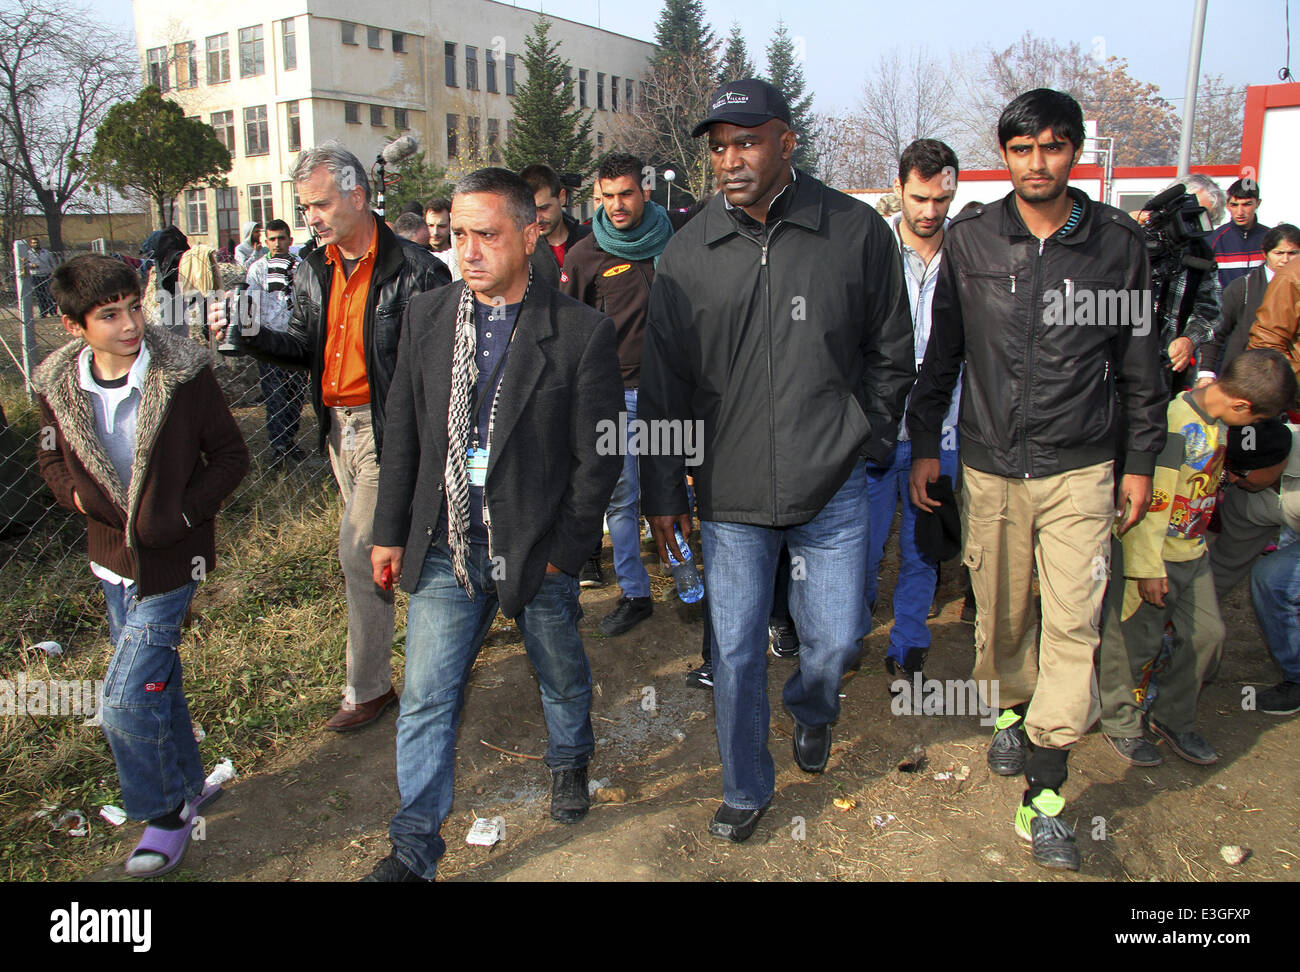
x,y
1216,134
60,70
905,97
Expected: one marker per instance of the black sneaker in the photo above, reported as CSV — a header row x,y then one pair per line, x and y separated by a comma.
x,y
630,612
591,575
701,677
1191,746
391,870
735,825
1281,699
1053,841
783,640
1135,750
1009,749
569,798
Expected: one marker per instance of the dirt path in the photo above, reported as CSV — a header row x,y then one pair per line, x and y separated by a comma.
x,y
320,812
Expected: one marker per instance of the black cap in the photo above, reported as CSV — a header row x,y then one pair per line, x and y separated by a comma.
x,y
1269,441
747,103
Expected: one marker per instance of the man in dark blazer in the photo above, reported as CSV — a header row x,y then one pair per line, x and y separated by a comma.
x,y
491,493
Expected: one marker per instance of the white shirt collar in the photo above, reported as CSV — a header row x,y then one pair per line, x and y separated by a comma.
x,y
1268,273
134,377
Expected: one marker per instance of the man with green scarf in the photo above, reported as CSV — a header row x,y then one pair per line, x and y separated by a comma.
x,y
611,270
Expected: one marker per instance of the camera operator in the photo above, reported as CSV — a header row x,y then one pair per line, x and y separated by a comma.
x,y
1184,284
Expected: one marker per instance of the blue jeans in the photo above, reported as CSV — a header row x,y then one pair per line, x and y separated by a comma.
x,y
828,556
283,390
1275,592
624,518
917,573
444,631
145,717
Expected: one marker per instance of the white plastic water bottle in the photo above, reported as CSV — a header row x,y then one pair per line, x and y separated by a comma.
x,y
690,588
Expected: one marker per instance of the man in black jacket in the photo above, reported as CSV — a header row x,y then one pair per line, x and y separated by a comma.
x,y
1045,297
349,297
779,320
491,493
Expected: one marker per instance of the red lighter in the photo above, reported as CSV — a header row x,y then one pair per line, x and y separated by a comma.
x,y
386,577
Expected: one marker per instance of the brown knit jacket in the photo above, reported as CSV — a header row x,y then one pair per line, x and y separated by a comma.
x,y
189,456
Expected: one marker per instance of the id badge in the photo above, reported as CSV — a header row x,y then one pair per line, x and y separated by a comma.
x,y
477,466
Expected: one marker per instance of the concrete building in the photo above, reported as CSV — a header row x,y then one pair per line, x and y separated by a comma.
x,y
444,71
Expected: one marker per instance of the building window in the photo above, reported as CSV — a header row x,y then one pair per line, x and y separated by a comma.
x,y
349,33
377,116
399,42
627,94
259,203
473,137
399,119
613,93
293,126
196,212
299,220
510,74
289,37
223,122
600,90
187,65
449,63
256,139
227,215
372,39
352,113
600,140
453,132
490,66
218,58
251,62
582,87
471,68
158,75
494,140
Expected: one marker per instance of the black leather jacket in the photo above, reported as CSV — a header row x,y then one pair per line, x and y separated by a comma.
x,y
1043,394
402,269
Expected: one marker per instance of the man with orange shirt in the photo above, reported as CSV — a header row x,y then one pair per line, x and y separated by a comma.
x,y
350,297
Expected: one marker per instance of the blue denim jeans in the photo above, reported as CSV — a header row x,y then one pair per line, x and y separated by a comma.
x,y
1275,592
444,632
145,717
828,556
624,518
283,390
917,574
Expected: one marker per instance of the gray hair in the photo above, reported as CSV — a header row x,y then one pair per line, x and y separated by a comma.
x,y
501,182
1194,183
346,168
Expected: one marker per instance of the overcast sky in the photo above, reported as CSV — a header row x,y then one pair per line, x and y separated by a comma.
x,y
841,39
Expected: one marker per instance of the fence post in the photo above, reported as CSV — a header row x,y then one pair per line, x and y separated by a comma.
x,y
26,291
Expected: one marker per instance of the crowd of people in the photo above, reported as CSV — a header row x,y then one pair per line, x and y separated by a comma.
x,y
839,365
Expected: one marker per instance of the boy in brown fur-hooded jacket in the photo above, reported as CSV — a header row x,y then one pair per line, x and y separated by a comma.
x,y
137,436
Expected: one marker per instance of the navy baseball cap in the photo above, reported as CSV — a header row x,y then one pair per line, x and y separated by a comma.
x,y
747,103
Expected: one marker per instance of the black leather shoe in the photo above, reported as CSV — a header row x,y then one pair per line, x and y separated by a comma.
x,y
630,612
569,799
391,870
812,747
734,825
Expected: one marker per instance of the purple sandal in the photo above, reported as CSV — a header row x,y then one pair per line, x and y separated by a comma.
x,y
171,844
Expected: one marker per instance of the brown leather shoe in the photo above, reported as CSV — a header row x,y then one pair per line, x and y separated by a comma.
x,y
362,714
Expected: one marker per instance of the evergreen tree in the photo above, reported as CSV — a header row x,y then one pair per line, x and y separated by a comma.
x,y
682,31
736,62
786,74
547,127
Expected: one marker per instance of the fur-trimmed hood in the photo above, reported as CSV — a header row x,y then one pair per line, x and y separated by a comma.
x,y
172,362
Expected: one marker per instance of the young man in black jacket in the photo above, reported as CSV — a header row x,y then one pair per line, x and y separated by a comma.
x,y
795,382
1045,298
348,299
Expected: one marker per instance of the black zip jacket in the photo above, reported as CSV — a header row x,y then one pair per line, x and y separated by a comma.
x,y
791,343
616,287
1040,396
402,269
1241,300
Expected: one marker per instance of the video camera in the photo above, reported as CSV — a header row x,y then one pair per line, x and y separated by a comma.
x,y
1175,218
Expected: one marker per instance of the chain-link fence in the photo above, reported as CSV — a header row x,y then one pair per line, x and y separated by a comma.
x,y
46,589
